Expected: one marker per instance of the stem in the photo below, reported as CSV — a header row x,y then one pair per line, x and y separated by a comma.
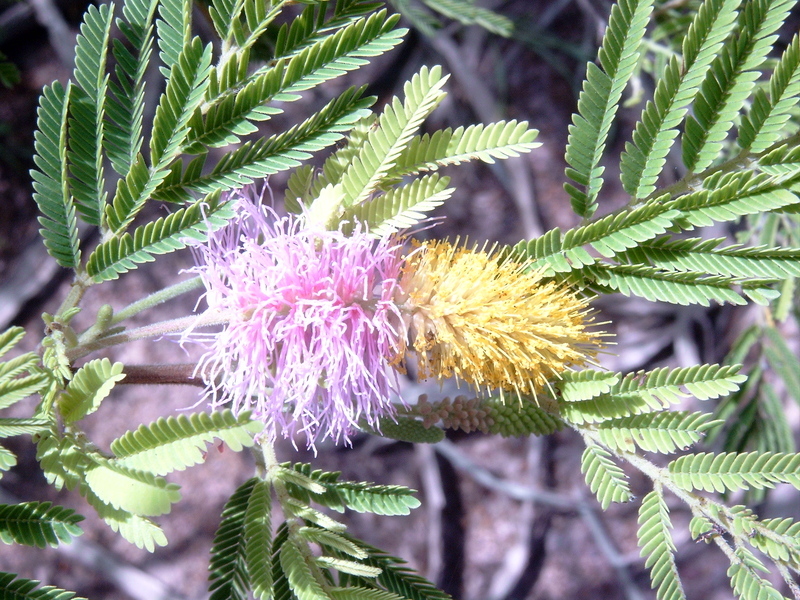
x,y
272,468
159,297
207,319
75,294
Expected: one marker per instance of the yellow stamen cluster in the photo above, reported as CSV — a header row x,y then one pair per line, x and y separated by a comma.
x,y
489,321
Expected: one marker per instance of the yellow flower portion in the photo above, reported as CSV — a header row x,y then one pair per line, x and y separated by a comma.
x,y
489,322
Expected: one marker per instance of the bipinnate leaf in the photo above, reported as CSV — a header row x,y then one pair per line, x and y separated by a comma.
x,y
175,443
644,157
586,384
51,190
14,587
299,574
325,489
258,540
662,432
362,593
91,385
19,376
730,471
657,546
730,80
38,524
604,477
409,430
398,123
401,207
654,391
377,499
397,578
227,571
125,102
770,112
137,492
174,30
164,235
487,143
599,101
745,580
86,124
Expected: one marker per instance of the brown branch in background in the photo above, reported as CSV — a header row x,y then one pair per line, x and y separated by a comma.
x,y
62,38
176,374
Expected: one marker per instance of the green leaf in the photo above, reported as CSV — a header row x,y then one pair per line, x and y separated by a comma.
x,y
519,418
137,492
730,80
232,109
764,124
729,471
51,193
18,588
644,158
657,545
91,385
682,288
186,88
125,102
599,100
486,143
584,385
298,573
604,477
228,575
377,499
254,160
86,127
175,443
174,31
655,432
704,255
164,235
409,430
396,126
746,582
399,579
38,524
401,207
783,360
10,427
258,541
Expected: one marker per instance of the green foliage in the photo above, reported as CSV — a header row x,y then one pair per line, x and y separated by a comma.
x,y
20,588
166,234
228,574
763,125
91,384
51,192
657,545
172,444
325,489
730,471
38,524
88,113
655,432
604,477
656,130
599,100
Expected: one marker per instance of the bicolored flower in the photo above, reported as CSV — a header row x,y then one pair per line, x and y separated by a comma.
x,y
311,324
489,321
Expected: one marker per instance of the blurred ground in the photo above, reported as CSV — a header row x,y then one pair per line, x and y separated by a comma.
x,y
479,540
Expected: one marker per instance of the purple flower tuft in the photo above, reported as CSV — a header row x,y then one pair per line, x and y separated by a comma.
x,y
311,325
